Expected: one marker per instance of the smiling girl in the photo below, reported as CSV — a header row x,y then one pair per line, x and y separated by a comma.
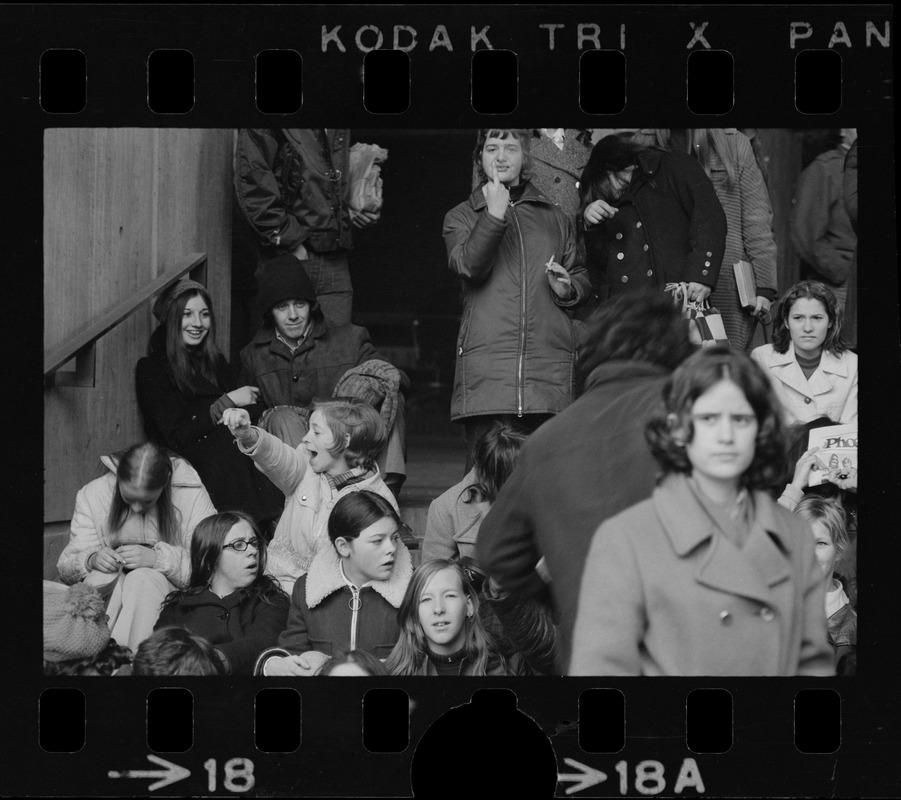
x,y
229,600
441,631
812,371
184,385
336,458
349,598
709,576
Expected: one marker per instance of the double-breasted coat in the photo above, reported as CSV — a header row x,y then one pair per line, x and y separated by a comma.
x,y
666,592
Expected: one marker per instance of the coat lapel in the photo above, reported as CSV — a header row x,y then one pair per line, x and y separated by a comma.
x,y
749,572
785,368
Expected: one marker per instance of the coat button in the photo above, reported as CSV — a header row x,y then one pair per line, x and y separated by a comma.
x,y
766,614
459,351
646,248
725,618
709,254
620,256
808,400
577,184
303,497
703,271
650,272
295,378
619,236
556,179
638,224
625,279
706,263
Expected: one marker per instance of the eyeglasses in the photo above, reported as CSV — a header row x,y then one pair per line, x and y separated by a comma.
x,y
240,545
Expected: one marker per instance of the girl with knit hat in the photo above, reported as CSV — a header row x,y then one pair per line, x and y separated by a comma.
x,y
184,385
297,356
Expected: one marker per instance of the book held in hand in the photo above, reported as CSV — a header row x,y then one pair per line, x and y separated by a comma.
x,y
746,283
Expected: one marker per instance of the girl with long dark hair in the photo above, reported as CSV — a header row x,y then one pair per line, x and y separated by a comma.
x,y
229,600
183,387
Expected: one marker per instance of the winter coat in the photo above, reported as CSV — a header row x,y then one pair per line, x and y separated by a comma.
x,y
241,627
90,527
665,592
556,173
452,524
513,665
321,618
820,228
516,347
189,425
749,236
302,529
283,187
312,371
593,461
670,228
831,391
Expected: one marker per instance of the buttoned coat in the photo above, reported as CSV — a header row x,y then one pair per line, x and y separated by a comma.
x,y
665,592
516,349
683,222
831,391
302,529
556,173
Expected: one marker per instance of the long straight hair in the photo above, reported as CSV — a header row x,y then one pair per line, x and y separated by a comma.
x,y
146,465
411,650
206,550
185,369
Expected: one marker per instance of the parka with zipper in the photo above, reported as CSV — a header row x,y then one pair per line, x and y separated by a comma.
x,y
516,349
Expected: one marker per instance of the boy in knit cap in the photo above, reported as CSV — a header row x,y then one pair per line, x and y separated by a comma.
x,y
76,633
297,356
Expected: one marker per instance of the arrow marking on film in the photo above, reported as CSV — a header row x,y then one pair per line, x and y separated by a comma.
x,y
170,774
583,779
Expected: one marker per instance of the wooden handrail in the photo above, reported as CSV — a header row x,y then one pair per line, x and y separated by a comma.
x,y
94,330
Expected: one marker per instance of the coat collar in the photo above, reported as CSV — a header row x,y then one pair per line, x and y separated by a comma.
x,y
529,195
209,598
265,336
324,577
750,571
786,368
183,474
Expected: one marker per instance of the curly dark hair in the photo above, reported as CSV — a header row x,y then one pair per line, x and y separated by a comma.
x,y
809,290
700,372
639,326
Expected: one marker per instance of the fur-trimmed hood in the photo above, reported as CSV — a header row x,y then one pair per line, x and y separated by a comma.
x,y
324,577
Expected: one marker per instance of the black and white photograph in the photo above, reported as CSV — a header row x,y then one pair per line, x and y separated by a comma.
x,y
549,434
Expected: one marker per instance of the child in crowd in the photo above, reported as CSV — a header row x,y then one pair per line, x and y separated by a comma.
x,y
827,521
336,458
184,385
441,632
130,532
454,518
709,576
349,597
811,368
76,633
352,664
229,600
174,651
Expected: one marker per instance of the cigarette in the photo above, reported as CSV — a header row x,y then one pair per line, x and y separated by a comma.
x,y
550,261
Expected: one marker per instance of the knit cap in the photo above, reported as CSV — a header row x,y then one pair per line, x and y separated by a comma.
x,y
75,623
281,279
166,299
375,382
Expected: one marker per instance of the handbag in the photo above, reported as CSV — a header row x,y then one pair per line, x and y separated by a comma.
x,y
365,181
705,320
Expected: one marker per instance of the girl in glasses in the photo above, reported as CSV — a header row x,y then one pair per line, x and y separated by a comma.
x,y
709,576
229,600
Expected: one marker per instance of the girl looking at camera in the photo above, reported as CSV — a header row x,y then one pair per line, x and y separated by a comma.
x,y
812,370
184,385
349,598
229,600
709,576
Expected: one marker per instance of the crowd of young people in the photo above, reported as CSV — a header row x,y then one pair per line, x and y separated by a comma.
x,y
633,505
